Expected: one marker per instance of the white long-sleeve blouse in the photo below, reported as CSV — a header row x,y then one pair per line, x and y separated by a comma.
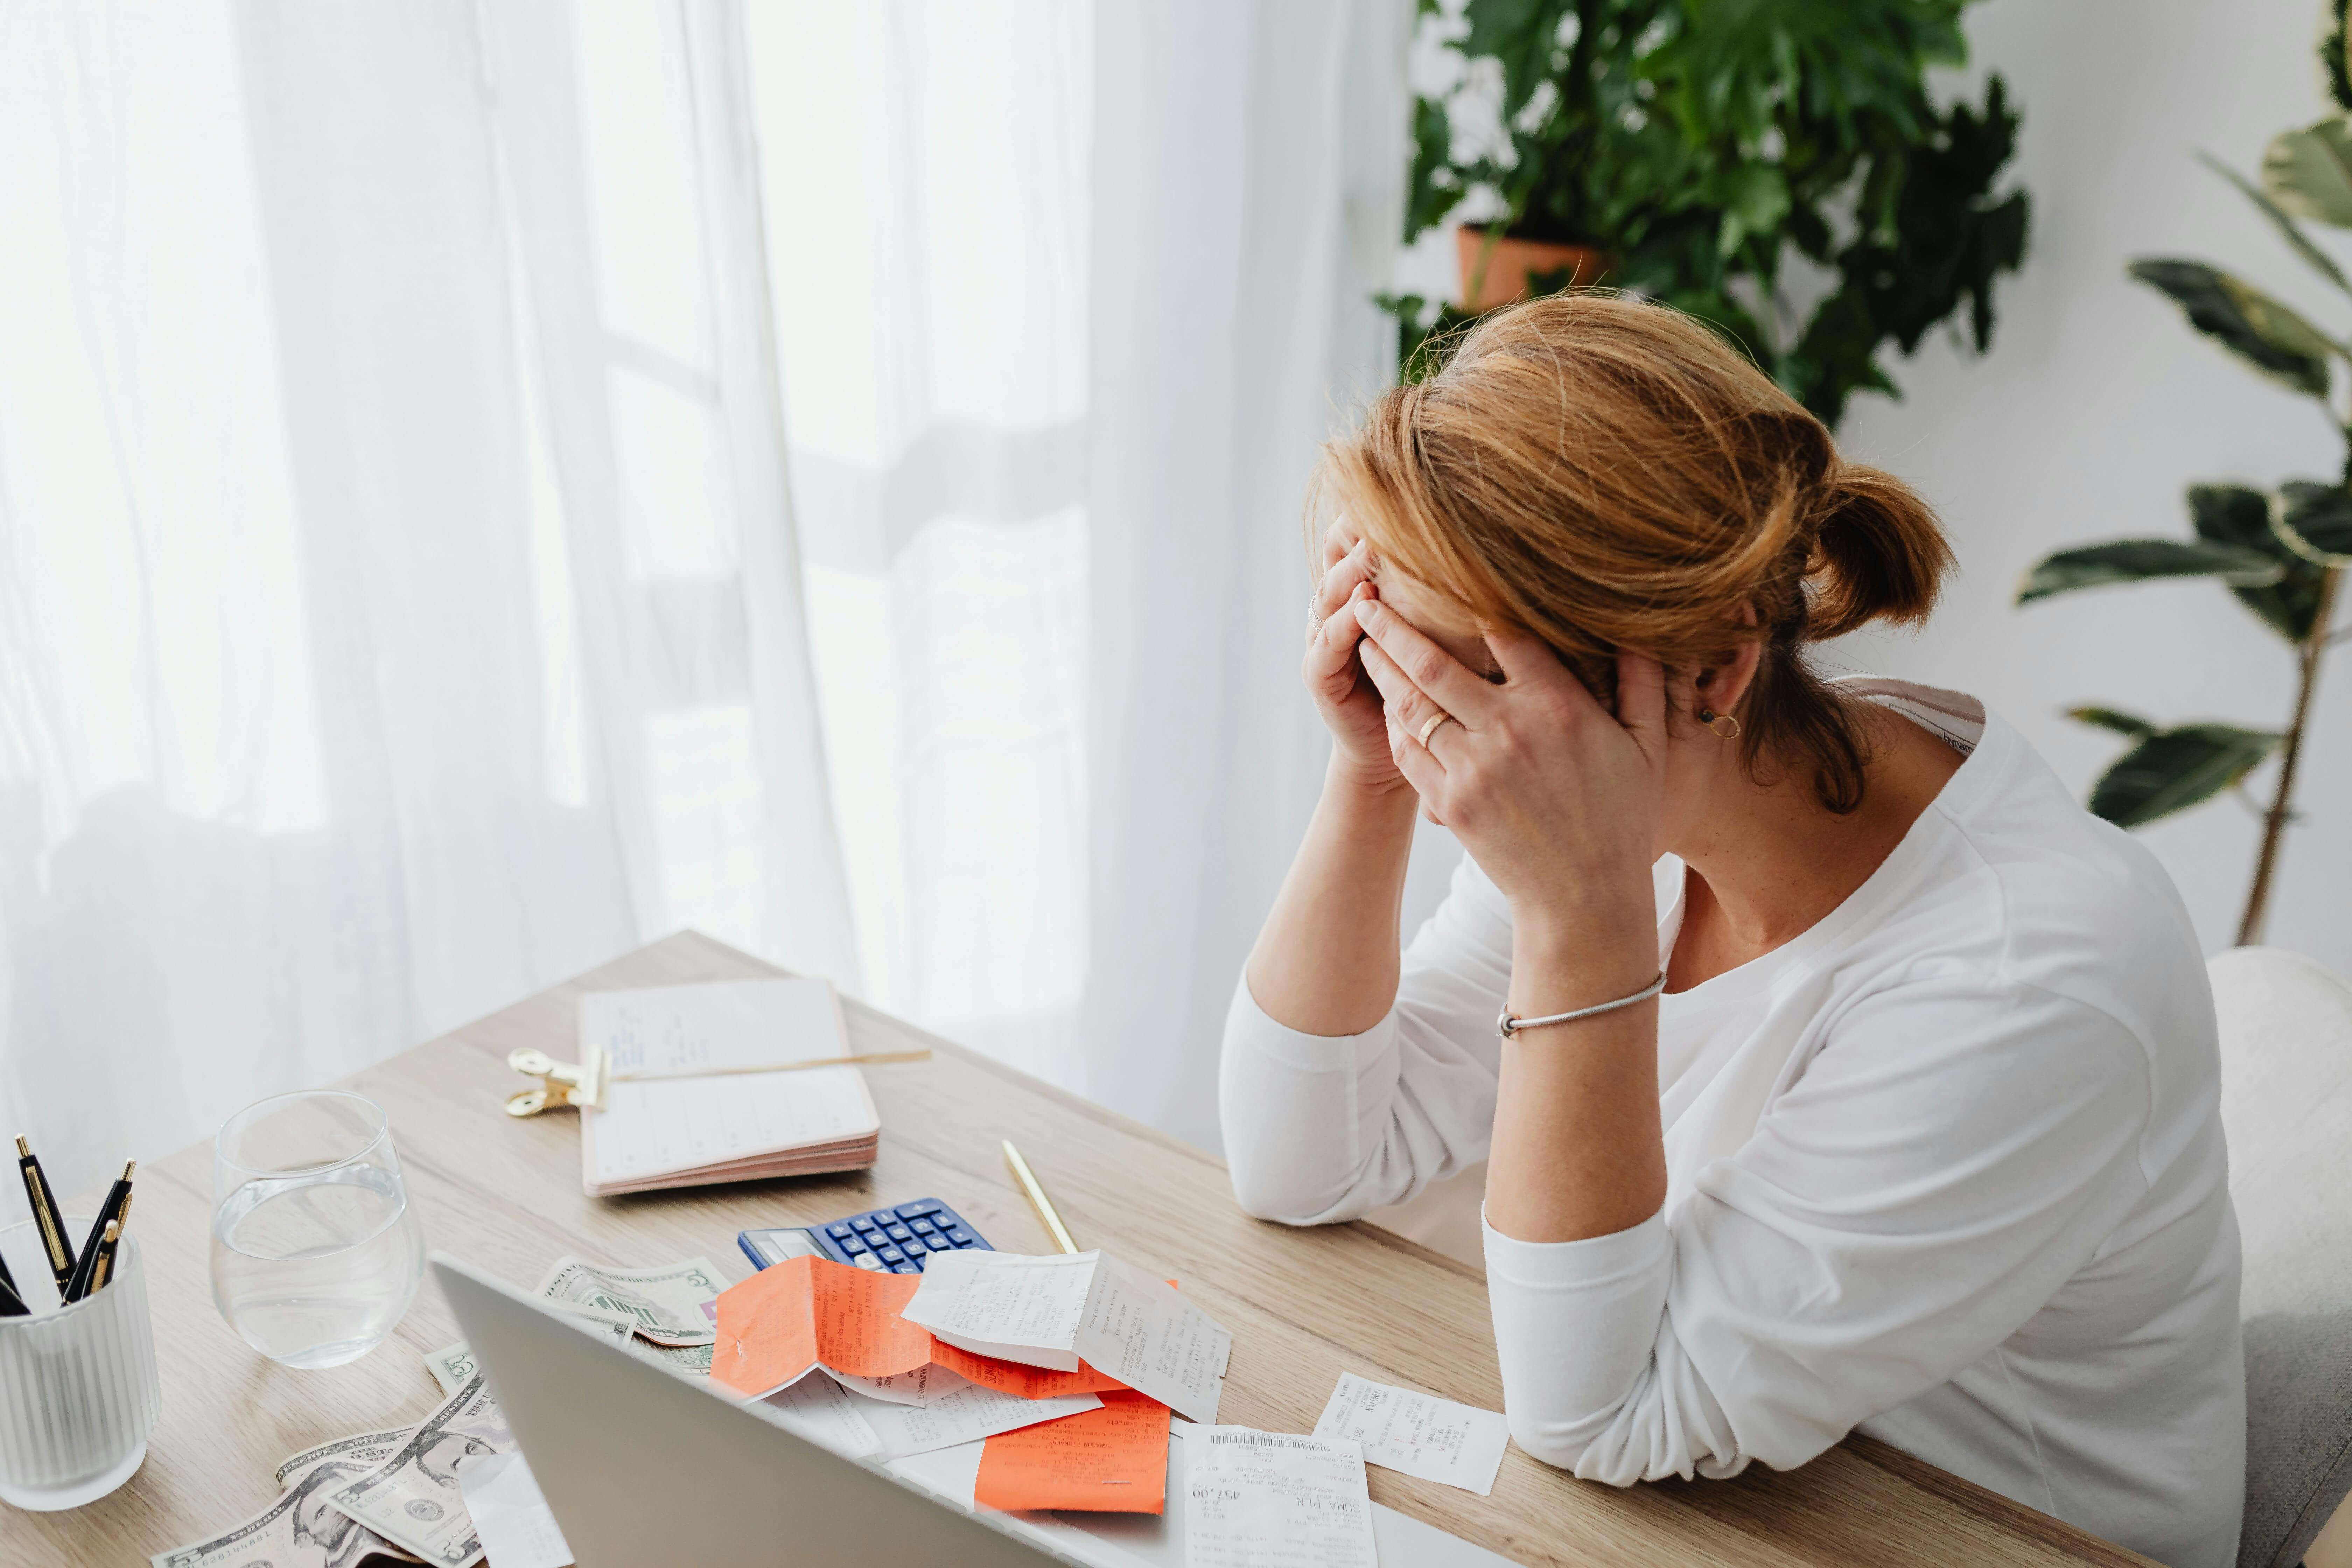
x,y
1947,1168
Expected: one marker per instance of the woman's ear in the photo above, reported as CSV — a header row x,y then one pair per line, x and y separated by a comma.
x,y
1721,685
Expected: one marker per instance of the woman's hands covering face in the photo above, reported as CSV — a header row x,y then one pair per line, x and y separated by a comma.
x,y
1336,679
1557,799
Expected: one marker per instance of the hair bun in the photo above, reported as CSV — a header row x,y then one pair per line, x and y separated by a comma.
x,y
1877,552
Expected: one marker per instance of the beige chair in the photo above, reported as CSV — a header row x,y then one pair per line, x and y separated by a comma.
x,y
2286,1103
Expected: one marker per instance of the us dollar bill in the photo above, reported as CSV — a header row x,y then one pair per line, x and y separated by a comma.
x,y
300,1530
453,1366
412,1498
667,1303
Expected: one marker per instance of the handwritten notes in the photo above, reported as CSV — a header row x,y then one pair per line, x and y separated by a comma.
x,y
1419,1434
662,1126
1110,1460
1081,1310
1275,1499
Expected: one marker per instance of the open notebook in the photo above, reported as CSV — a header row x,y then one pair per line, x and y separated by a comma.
x,y
680,1111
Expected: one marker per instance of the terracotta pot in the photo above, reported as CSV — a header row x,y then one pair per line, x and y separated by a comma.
x,y
1510,262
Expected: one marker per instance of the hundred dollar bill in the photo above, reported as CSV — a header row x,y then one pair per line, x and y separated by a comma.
x,y
453,1366
300,1529
413,1498
668,1303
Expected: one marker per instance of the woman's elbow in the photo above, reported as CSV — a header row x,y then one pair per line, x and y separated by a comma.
x,y
1264,1193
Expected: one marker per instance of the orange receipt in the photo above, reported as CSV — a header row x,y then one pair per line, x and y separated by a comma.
x,y
784,1322
1111,1460
777,1326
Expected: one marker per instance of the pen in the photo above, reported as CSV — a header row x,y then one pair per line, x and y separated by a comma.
x,y
104,1269
113,1214
1037,1198
51,1224
11,1304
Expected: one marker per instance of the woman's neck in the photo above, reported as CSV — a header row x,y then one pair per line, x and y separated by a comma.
x,y
1768,861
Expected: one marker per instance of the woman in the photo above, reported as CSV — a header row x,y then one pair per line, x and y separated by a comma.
x,y
1922,1136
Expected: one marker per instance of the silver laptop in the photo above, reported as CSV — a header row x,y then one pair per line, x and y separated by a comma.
x,y
641,1465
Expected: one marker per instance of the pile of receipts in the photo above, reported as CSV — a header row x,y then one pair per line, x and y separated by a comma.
x,y
1077,1384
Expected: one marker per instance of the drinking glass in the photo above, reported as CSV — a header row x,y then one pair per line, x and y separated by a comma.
x,y
316,1250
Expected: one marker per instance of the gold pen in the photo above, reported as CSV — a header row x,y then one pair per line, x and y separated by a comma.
x,y
51,1224
1037,1198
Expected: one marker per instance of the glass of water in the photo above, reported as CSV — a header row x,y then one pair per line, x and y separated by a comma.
x,y
316,1251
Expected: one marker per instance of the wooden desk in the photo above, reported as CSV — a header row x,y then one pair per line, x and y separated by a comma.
x,y
1303,1306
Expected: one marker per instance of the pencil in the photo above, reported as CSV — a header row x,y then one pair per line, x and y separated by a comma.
x,y
1037,1198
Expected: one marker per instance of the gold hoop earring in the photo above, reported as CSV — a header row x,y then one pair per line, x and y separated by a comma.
x,y
1722,724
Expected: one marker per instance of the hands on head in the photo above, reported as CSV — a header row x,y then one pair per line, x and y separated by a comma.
x,y
1557,797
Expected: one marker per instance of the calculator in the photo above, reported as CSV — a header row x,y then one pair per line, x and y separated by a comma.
x,y
892,1240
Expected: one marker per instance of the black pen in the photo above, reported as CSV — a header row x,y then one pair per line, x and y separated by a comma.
x,y
12,1305
51,1222
114,1211
101,1267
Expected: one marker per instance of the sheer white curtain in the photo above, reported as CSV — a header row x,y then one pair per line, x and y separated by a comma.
x,y
1066,295
401,605
398,605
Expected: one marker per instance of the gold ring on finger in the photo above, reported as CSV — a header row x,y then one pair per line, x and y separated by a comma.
x,y
1430,729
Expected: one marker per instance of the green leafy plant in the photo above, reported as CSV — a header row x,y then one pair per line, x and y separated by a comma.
x,y
2280,551
1733,157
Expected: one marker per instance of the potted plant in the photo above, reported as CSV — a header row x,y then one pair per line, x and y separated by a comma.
x,y
1690,149
2283,551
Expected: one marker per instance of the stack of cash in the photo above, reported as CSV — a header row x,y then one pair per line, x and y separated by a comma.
x,y
396,1494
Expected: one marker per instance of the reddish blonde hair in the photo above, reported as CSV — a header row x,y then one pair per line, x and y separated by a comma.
x,y
1604,473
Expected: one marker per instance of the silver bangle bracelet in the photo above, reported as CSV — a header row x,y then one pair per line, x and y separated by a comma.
x,y
1509,1026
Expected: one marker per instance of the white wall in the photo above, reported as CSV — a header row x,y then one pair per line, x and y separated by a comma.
x,y
2099,405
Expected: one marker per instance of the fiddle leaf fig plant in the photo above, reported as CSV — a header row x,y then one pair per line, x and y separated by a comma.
x,y
2282,552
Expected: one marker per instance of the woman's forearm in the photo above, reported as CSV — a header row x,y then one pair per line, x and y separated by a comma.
x,y
1326,961
1578,1149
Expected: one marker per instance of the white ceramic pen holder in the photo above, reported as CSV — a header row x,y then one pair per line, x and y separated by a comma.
x,y
78,1388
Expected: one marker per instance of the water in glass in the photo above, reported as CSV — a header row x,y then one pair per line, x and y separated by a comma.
x,y
314,1257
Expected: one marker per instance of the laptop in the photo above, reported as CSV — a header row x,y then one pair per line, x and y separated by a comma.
x,y
641,1465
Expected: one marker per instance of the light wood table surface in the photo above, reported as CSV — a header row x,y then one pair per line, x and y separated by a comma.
x,y
1303,1306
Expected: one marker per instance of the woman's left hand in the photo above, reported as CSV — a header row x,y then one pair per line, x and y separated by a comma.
x,y
1558,800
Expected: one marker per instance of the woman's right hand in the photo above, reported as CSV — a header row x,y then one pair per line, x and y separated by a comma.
x,y
1344,695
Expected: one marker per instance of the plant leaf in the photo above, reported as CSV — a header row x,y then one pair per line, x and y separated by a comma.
x,y
2309,172
2137,560
2291,231
2316,522
2122,723
2233,514
2174,769
2250,324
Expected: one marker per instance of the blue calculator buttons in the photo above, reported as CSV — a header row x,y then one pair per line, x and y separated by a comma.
x,y
897,1240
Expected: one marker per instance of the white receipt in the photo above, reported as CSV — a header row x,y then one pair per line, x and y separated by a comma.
x,y
927,1384
968,1413
1056,1311
827,1415
1419,1434
510,1517
1006,1305
1275,1499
